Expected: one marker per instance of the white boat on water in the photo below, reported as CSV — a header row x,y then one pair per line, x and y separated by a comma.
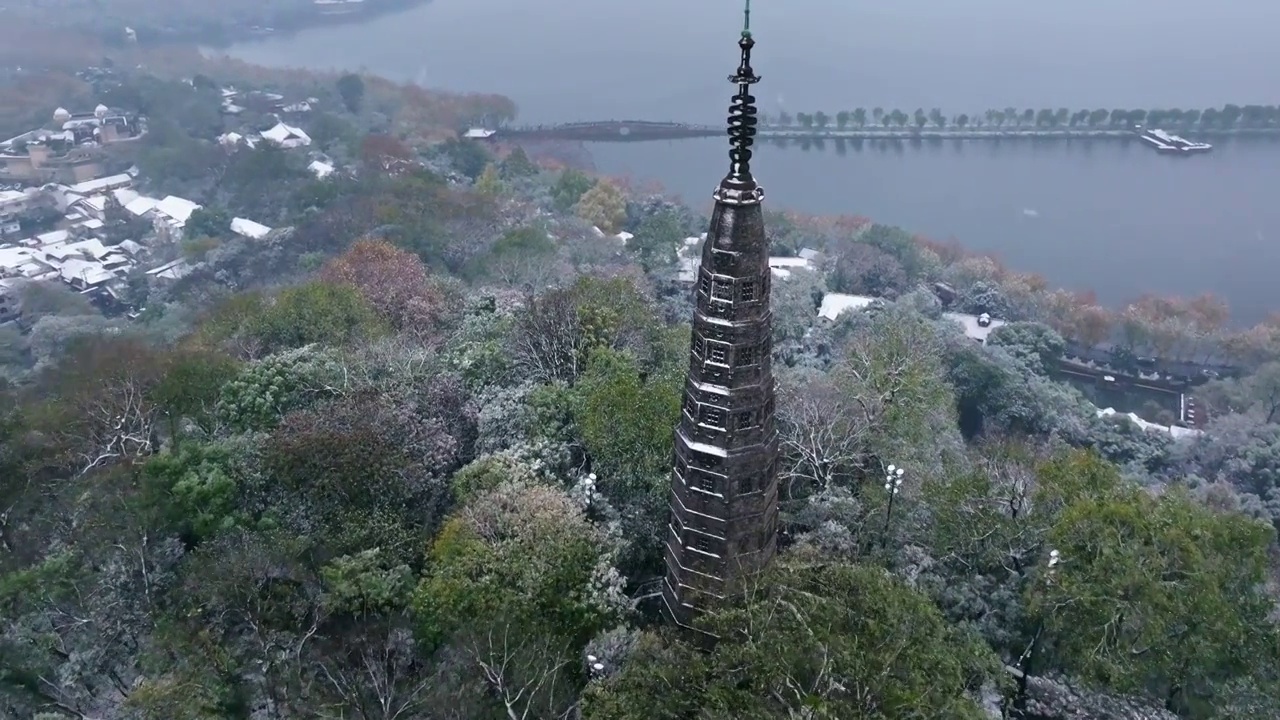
x,y
1170,144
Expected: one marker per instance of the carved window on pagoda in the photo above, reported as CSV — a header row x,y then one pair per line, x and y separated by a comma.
x,y
747,356
717,353
722,289
696,346
746,419
702,544
682,471
713,417
747,292
704,284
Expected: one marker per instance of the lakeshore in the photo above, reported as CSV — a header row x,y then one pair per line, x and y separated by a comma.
x,y
647,130
1088,213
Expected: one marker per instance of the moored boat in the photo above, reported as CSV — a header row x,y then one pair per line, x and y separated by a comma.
x,y
1170,144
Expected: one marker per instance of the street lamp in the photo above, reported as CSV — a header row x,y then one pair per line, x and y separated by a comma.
x,y
892,484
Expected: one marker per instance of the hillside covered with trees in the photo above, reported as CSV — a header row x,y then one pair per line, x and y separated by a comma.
x,y
410,460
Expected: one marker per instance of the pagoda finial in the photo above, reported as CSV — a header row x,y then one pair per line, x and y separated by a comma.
x,y
738,186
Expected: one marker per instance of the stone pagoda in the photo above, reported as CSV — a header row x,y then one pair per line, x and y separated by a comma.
x,y
724,489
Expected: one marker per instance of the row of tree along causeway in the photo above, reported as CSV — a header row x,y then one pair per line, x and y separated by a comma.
x,y
1009,123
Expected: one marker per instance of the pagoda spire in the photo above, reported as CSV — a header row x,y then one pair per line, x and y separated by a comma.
x,y
724,486
739,187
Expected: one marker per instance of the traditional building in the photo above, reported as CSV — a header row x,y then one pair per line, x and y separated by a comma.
x,y
724,490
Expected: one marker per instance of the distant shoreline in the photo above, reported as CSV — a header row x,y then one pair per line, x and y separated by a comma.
x,y
241,29
641,131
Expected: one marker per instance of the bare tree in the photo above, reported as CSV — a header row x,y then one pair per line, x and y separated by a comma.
x,y
382,678
549,343
525,672
823,436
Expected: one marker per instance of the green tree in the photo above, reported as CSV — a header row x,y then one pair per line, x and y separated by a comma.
x,y
626,418
511,587
315,312
657,239
820,120
517,164
809,639
192,383
208,223
351,90
860,117
604,206
570,188
489,183
467,156
842,119
1154,595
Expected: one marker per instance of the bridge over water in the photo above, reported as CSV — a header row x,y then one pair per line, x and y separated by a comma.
x,y
615,131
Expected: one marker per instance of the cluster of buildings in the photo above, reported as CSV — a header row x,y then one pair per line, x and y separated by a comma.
x,y
86,251
977,327
71,149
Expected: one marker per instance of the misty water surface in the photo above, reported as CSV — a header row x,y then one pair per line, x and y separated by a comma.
x,y
1119,220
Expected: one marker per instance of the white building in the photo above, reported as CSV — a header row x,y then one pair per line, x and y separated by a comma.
x,y
321,170
112,182
287,136
249,229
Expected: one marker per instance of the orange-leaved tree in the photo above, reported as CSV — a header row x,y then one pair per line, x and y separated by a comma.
x,y
395,283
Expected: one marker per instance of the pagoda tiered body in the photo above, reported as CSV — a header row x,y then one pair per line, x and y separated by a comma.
x,y
724,490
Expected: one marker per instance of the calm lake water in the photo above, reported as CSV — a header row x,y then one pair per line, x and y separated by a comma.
x,y
1112,217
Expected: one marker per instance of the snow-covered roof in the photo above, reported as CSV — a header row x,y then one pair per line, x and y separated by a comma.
x,y
90,187
52,238
249,228
87,271
141,205
688,270
171,270
321,169
1174,430
835,303
281,134
91,224
479,133
97,203
124,196
231,138
131,247
788,262
92,247
972,328
11,195
177,209
12,258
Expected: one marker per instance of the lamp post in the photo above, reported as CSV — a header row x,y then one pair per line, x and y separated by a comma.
x,y
892,484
